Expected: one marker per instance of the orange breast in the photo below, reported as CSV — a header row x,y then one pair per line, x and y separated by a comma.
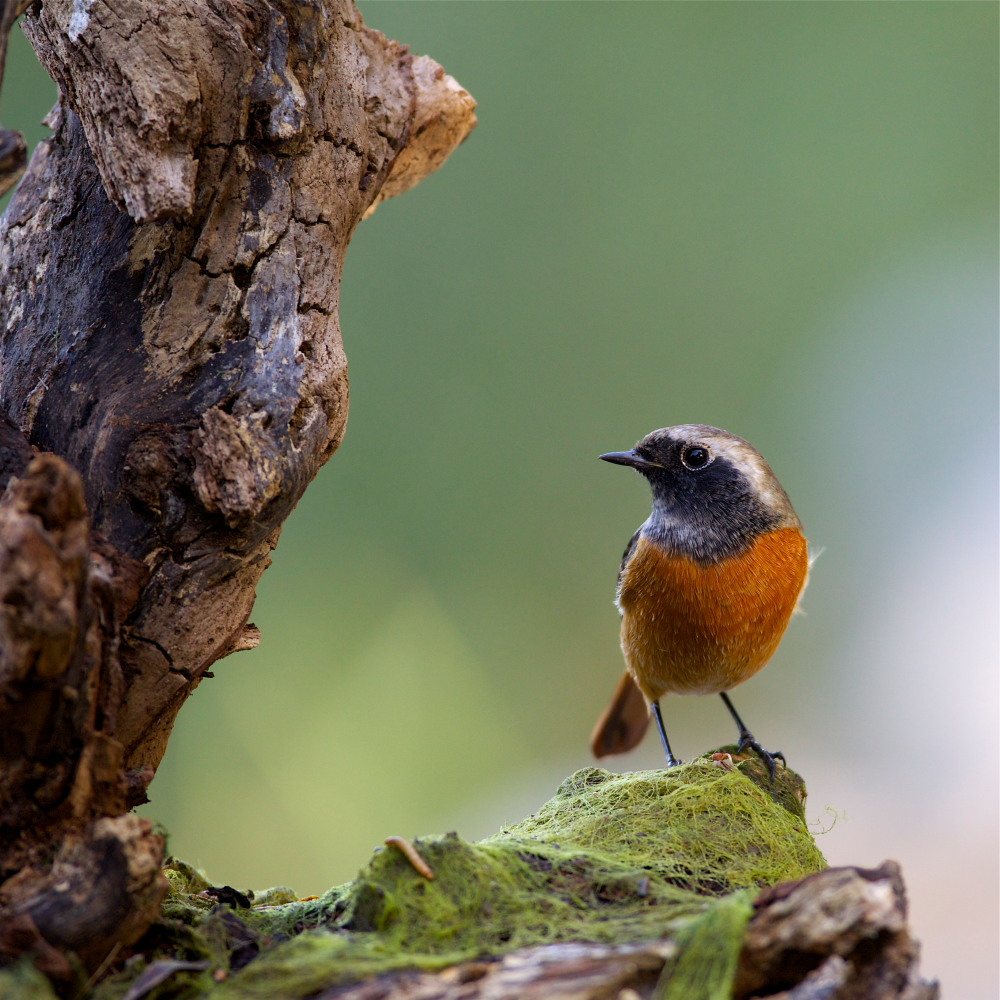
x,y
691,629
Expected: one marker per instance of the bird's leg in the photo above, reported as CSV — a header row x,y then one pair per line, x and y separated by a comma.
x,y
672,761
747,740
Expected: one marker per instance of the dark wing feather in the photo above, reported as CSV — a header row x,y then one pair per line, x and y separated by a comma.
x,y
626,555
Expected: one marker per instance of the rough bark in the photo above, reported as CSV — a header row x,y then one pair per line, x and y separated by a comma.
x,y
170,354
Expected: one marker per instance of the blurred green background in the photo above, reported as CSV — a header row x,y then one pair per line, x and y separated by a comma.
x,y
780,218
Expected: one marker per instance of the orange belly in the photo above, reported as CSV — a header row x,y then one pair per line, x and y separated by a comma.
x,y
691,629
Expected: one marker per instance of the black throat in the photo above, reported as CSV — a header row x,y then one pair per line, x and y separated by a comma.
x,y
708,515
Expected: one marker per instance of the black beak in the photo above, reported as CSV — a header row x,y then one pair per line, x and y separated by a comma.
x,y
629,458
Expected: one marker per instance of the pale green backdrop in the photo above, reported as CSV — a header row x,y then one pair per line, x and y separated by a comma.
x,y
779,218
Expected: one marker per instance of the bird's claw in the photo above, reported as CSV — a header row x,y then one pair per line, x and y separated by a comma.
x,y
747,742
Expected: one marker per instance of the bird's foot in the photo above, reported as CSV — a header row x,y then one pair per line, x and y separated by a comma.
x,y
672,761
747,742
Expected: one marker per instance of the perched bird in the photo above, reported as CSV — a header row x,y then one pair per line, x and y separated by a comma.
x,y
707,584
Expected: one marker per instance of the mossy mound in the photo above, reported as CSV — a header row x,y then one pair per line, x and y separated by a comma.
x,y
697,827
611,858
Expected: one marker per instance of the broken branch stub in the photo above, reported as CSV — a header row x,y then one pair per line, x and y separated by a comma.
x,y
169,272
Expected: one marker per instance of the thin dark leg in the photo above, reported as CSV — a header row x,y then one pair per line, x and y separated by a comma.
x,y
747,740
672,761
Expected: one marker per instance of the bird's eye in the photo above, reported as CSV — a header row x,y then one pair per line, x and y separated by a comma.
x,y
694,456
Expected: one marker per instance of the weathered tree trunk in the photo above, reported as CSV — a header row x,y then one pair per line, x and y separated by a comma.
x,y
172,372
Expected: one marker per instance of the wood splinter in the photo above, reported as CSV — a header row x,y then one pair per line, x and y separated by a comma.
x,y
412,855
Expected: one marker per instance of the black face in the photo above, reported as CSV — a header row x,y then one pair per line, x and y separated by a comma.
x,y
704,506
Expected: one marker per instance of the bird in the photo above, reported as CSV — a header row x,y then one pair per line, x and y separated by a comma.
x,y
707,584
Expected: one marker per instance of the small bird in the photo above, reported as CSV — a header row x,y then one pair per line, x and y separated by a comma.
x,y
708,583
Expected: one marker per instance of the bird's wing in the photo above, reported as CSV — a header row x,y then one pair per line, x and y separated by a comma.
x,y
626,555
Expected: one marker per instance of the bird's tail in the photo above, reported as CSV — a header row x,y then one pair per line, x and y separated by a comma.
x,y
623,723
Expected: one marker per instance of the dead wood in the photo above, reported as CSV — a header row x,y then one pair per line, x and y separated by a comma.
x,y
171,353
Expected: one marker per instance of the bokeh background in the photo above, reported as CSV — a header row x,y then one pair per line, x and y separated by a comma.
x,y
778,218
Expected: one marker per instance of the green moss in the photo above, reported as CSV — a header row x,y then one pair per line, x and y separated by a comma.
x,y
698,827
23,981
708,951
185,880
610,858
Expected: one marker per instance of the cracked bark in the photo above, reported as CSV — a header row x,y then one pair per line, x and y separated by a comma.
x,y
172,378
